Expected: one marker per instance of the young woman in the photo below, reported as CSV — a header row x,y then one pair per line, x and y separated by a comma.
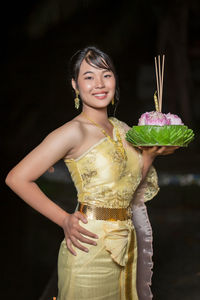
x,y
104,255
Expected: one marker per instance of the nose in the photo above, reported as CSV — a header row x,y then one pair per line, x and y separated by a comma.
x,y
99,83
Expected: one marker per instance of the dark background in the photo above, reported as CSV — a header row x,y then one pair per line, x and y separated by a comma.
x,y
38,37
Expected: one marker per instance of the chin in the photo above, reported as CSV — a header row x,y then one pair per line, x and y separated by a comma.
x,y
102,105
99,104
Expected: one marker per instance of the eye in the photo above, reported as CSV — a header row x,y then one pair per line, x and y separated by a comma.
x,y
88,78
107,75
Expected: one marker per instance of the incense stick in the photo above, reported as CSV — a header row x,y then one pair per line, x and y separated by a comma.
x,y
158,91
159,79
163,64
159,76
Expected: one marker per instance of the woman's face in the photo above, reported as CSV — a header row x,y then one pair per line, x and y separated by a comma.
x,y
96,86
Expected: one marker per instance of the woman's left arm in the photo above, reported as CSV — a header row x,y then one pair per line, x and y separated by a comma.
x,y
150,153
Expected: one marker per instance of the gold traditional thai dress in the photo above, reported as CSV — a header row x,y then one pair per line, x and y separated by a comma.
x,y
107,176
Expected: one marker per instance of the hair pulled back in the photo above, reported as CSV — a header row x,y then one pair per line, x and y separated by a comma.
x,y
96,58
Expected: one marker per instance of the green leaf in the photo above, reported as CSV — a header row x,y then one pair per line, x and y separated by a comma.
x,y
153,135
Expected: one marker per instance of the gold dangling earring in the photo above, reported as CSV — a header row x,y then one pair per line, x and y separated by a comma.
x,y
113,101
77,100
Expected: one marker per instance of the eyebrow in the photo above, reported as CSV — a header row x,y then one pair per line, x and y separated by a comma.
x,y
90,72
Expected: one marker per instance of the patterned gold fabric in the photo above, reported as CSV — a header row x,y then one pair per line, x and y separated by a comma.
x,y
107,272
105,176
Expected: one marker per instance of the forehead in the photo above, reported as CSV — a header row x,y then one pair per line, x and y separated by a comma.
x,y
85,67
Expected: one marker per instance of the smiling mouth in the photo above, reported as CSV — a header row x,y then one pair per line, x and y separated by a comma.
x,y
100,95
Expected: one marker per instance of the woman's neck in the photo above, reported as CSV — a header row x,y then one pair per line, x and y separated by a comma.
x,y
100,116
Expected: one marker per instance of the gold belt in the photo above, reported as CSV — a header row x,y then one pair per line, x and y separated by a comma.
x,y
105,213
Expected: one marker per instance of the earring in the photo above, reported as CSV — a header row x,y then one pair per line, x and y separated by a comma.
x,y
113,101
77,100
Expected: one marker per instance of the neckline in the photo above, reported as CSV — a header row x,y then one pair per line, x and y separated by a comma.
x,y
113,138
99,142
116,140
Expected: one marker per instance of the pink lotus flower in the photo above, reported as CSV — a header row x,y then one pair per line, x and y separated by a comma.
x,y
153,118
174,119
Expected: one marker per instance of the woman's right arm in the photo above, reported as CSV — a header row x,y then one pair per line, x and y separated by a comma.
x,y
21,179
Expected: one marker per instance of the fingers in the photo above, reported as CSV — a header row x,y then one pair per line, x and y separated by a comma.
x,y
87,232
155,148
74,233
78,237
86,240
78,245
154,151
74,240
174,147
80,216
78,233
69,246
161,149
146,148
167,150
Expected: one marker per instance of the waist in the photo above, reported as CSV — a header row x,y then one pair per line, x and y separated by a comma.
x,y
105,213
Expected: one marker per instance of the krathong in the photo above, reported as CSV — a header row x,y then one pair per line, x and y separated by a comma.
x,y
156,128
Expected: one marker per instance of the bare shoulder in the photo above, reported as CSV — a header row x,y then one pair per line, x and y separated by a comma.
x,y
54,147
70,132
59,142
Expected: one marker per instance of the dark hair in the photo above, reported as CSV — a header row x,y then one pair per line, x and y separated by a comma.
x,y
96,58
